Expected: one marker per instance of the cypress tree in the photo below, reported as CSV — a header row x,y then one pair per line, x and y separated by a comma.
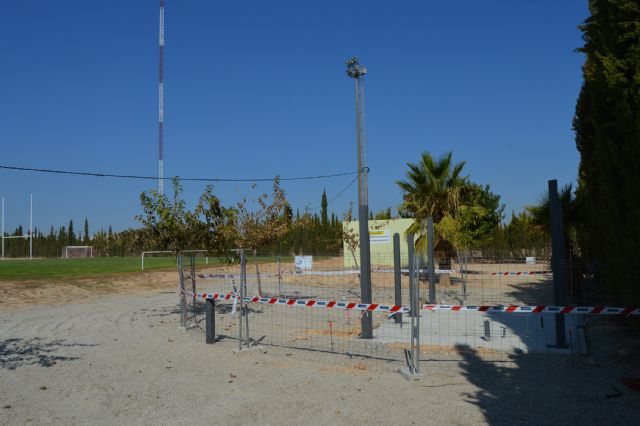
x,y
71,236
607,127
323,209
86,230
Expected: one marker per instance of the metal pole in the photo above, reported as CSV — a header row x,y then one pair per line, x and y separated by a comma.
x,y
411,248
416,293
210,312
244,286
161,101
30,226
279,278
357,72
557,259
192,265
397,276
241,301
464,275
3,227
431,259
183,296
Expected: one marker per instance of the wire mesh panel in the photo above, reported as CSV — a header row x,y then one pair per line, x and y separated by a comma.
x,y
477,280
301,302
213,275
321,325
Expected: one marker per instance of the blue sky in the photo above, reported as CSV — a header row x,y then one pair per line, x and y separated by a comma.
x,y
255,88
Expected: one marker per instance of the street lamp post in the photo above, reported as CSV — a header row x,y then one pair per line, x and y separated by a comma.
x,y
357,71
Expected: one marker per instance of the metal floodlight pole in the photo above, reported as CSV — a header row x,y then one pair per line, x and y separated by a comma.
x,y
357,71
3,227
161,101
30,226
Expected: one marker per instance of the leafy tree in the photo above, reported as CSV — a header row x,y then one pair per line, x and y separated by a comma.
x,y
349,234
271,220
607,128
214,224
256,228
479,212
165,221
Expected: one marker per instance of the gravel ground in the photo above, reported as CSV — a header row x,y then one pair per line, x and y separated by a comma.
x,y
120,359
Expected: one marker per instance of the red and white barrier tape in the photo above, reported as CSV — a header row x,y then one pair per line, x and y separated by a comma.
x,y
523,273
309,303
577,310
216,296
376,307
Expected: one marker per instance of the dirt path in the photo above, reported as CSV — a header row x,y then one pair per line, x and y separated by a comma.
x,y
108,351
19,294
121,360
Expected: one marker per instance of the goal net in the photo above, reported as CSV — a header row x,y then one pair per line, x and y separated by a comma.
x,y
69,252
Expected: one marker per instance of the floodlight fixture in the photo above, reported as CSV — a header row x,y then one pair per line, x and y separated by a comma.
x,y
355,69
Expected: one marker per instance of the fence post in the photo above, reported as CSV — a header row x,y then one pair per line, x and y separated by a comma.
x,y
416,309
241,300
412,355
557,259
279,277
192,264
210,312
183,295
411,258
246,307
397,276
463,274
431,266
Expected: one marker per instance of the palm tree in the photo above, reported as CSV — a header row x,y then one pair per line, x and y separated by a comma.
x,y
540,218
432,189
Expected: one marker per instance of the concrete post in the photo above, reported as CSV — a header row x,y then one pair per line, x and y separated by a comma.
x,y
397,275
410,253
557,259
210,312
431,266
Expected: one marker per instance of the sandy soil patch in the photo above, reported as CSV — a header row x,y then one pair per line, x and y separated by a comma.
x,y
120,359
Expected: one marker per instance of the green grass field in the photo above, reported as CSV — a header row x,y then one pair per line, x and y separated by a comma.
x,y
38,269
79,268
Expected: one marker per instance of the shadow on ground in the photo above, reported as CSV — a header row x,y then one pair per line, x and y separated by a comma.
x,y
541,389
17,352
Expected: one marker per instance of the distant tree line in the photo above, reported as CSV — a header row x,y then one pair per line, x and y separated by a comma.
x,y
52,243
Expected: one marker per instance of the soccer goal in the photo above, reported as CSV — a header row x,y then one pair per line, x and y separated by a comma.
x,y
69,252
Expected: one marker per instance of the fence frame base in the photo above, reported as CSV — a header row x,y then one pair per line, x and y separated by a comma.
x,y
408,375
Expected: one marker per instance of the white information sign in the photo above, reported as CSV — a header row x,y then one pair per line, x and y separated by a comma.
x,y
304,262
379,236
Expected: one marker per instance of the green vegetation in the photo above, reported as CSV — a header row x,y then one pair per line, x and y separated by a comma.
x,y
464,213
38,269
607,127
265,225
